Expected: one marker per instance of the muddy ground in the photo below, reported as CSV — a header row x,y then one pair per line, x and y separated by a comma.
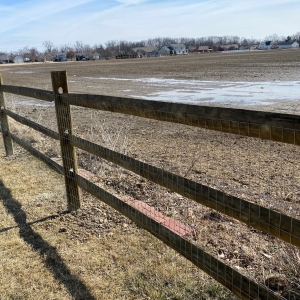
x,y
259,171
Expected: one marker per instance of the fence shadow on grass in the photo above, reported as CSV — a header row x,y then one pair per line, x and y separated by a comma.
x,y
52,217
54,263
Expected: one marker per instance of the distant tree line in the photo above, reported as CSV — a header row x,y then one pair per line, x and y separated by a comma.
x,y
113,47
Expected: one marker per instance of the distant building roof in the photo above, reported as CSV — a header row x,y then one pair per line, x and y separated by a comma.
x,y
147,49
203,47
176,45
3,56
286,43
230,45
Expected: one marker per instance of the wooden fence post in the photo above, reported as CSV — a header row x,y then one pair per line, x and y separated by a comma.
x,y
65,130
4,124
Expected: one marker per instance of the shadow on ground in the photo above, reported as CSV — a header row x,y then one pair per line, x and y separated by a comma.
x,y
54,263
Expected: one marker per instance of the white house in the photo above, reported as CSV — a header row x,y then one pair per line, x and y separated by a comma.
x,y
96,56
265,45
288,45
18,59
61,56
178,48
4,58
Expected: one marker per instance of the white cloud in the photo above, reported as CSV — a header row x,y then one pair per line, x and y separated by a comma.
x,y
67,21
131,2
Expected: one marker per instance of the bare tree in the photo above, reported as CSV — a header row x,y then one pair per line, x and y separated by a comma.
x,y
48,45
78,46
33,54
88,50
274,38
71,54
296,37
65,48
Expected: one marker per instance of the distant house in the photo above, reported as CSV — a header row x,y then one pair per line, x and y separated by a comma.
x,y
96,56
163,51
203,49
244,47
4,58
45,57
287,45
178,48
265,45
148,51
228,47
61,56
18,59
254,46
192,49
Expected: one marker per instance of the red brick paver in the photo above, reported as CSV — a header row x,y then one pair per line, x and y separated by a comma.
x,y
172,224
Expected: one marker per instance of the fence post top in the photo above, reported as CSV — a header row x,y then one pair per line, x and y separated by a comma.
x,y
59,82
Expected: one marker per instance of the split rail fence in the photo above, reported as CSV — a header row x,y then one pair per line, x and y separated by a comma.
x,y
263,125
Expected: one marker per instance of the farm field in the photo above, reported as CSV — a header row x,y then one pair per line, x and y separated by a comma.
x,y
194,74
95,253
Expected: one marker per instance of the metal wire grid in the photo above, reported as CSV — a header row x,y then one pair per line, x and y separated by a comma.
x,y
243,166
215,177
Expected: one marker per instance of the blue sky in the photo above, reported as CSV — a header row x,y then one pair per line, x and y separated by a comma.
x,y
30,22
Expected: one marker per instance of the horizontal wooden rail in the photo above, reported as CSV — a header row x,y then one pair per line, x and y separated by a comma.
x,y
259,217
270,126
266,125
28,92
239,284
45,159
32,124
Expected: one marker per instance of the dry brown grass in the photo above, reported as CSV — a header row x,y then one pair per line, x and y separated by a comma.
x,y
47,254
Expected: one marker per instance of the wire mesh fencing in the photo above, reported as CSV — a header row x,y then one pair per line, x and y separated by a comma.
x,y
218,160
222,191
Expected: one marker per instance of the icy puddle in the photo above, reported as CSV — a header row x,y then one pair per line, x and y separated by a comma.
x,y
236,93
206,92
200,92
22,72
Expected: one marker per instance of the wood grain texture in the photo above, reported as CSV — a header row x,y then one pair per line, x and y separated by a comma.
x,y
266,125
65,130
28,92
